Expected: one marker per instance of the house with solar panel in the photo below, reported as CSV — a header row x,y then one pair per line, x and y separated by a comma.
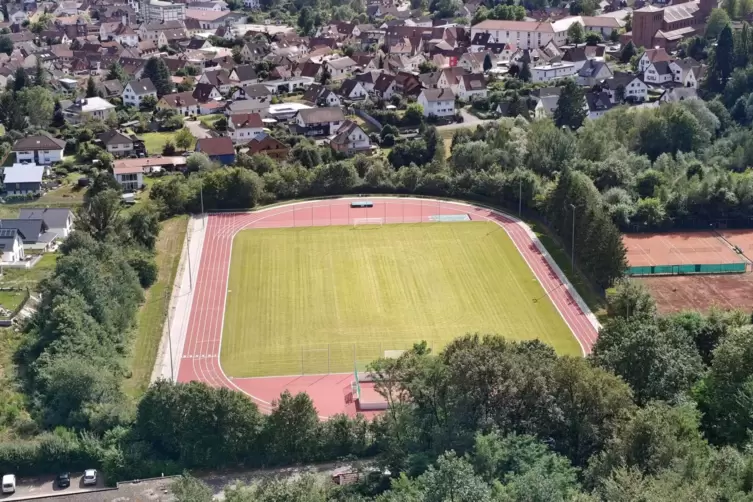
x,y
11,246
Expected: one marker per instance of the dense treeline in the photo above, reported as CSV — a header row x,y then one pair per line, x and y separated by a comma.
x,y
659,412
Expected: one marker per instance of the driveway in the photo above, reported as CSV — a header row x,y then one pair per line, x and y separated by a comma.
x,y
197,129
469,121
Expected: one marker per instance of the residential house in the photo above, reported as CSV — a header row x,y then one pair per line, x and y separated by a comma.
x,y
117,143
471,86
319,95
125,36
341,68
653,56
151,31
243,75
353,90
687,72
245,106
552,71
658,73
58,220
110,88
324,121
11,245
22,179
181,102
136,90
244,127
437,102
548,98
39,149
593,72
205,93
218,78
85,109
217,149
407,84
208,19
252,52
351,139
626,87
130,177
265,144
34,233
598,104
255,92
385,86
473,62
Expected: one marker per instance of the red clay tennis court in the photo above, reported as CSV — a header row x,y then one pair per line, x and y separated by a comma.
x,y
685,248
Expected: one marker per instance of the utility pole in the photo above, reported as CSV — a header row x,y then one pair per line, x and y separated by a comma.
x,y
188,254
572,241
201,196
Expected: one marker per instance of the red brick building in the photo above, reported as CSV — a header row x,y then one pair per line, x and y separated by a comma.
x,y
666,26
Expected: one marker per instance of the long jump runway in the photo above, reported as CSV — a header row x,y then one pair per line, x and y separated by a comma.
x,y
331,393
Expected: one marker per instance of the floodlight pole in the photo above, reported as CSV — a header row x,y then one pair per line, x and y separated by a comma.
x,y
572,241
520,197
201,197
188,253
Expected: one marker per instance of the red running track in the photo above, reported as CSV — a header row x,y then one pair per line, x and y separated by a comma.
x,y
331,393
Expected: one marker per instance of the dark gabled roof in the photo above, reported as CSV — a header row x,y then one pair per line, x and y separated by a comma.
x,y
257,91
473,82
662,67
114,137
142,87
29,229
202,92
53,217
598,101
38,142
591,68
180,99
314,92
112,87
347,87
218,77
322,115
216,146
384,82
245,72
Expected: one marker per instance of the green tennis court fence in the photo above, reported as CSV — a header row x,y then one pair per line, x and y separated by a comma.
x,y
720,268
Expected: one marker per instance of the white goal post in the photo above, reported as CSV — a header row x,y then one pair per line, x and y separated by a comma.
x,y
368,221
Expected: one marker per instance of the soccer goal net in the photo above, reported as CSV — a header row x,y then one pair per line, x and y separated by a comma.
x,y
357,222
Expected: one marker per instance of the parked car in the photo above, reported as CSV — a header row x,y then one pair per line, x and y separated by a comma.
x,y
90,477
63,480
9,483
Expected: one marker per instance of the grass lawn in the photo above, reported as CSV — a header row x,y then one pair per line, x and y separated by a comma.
x,y
152,314
299,299
22,278
209,120
11,299
154,141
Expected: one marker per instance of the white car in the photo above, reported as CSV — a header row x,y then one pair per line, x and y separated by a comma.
x,y
9,483
90,477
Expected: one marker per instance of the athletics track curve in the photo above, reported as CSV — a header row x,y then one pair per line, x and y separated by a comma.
x,y
200,359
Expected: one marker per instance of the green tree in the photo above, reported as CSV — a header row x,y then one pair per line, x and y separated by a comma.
x,y
716,23
189,489
628,52
723,60
37,104
571,105
576,34
306,20
157,71
630,299
658,361
525,72
116,72
91,88
20,80
143,225
184,139
594,38
100,216
6,44
293,424
488,62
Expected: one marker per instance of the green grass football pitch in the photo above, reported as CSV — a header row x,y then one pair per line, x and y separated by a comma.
x,y
321,299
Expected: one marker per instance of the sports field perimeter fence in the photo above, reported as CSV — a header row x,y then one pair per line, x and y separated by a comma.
x,y
718,268
326,358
